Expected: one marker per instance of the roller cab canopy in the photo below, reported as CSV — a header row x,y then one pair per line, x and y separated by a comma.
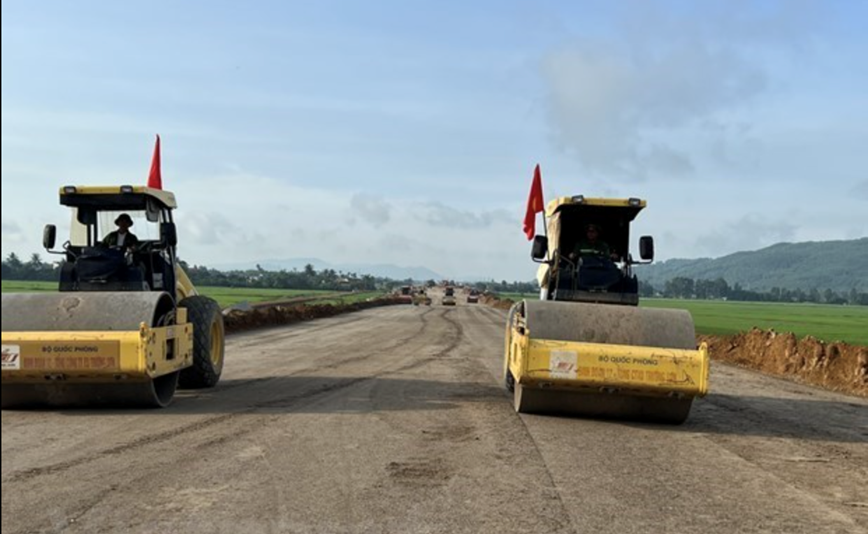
x,y
117,198
95,208
568,216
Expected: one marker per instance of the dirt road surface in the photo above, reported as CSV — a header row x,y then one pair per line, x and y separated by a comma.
x,y
394,420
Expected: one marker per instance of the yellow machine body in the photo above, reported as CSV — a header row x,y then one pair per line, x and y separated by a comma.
x,y
585,348
97,356
111,340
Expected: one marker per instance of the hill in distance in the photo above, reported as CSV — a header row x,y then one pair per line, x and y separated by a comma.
x,y
837,265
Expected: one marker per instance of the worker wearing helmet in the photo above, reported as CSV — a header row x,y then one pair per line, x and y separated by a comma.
x,y
122,237
592,245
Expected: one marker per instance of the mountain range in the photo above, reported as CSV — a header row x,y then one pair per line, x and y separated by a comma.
x,y
837,265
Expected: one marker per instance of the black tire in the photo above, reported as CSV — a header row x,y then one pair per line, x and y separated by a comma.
x,y
208,343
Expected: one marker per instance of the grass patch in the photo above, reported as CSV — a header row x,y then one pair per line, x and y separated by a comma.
x,y
225,296
829,323
228,296
714,317
14,286
350,298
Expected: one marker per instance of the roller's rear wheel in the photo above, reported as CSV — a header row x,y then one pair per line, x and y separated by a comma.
x,y
208,343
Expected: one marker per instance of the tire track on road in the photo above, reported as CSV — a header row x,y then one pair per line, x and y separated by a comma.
x,y
497,321
453,343
283,402
334,365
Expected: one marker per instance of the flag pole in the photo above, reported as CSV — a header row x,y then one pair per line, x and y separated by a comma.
x,y
546,230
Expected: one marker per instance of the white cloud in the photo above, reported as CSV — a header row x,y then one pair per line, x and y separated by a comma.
x,y
640,102
12,233
751,232
722,91
371,209
439,214
861,190
245,217
214,229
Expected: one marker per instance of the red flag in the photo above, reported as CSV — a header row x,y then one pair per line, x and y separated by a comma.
x,y
155,179
534,204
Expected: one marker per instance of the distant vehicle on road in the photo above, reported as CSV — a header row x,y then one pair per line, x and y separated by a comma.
x,y
449,296
473,297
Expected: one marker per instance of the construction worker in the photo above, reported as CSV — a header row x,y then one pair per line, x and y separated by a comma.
x,y
592,245
122,237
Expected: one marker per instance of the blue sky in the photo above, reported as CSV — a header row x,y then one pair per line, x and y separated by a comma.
x,y
406,132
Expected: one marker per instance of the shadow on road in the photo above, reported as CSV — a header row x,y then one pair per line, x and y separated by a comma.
x,y
795,418
310,394
718,414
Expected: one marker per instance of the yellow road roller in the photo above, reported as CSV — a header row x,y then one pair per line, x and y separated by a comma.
x,y
585,347
127,327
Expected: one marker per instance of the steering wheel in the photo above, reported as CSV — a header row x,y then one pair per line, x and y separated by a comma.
x,y
127,252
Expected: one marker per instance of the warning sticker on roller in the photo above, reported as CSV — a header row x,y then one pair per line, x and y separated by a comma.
x,y
563,364
11,358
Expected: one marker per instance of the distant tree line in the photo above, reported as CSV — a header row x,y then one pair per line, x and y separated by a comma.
x,y
682,287
309,278
507,287
35,269
14,268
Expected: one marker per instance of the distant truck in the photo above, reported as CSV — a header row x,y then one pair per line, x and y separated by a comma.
x,y
405,294
421,297
449,296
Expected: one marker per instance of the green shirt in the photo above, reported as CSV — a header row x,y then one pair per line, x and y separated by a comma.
x,y
585,248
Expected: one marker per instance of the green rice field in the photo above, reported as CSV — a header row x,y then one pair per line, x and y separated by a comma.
x,y
829,323
226,296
